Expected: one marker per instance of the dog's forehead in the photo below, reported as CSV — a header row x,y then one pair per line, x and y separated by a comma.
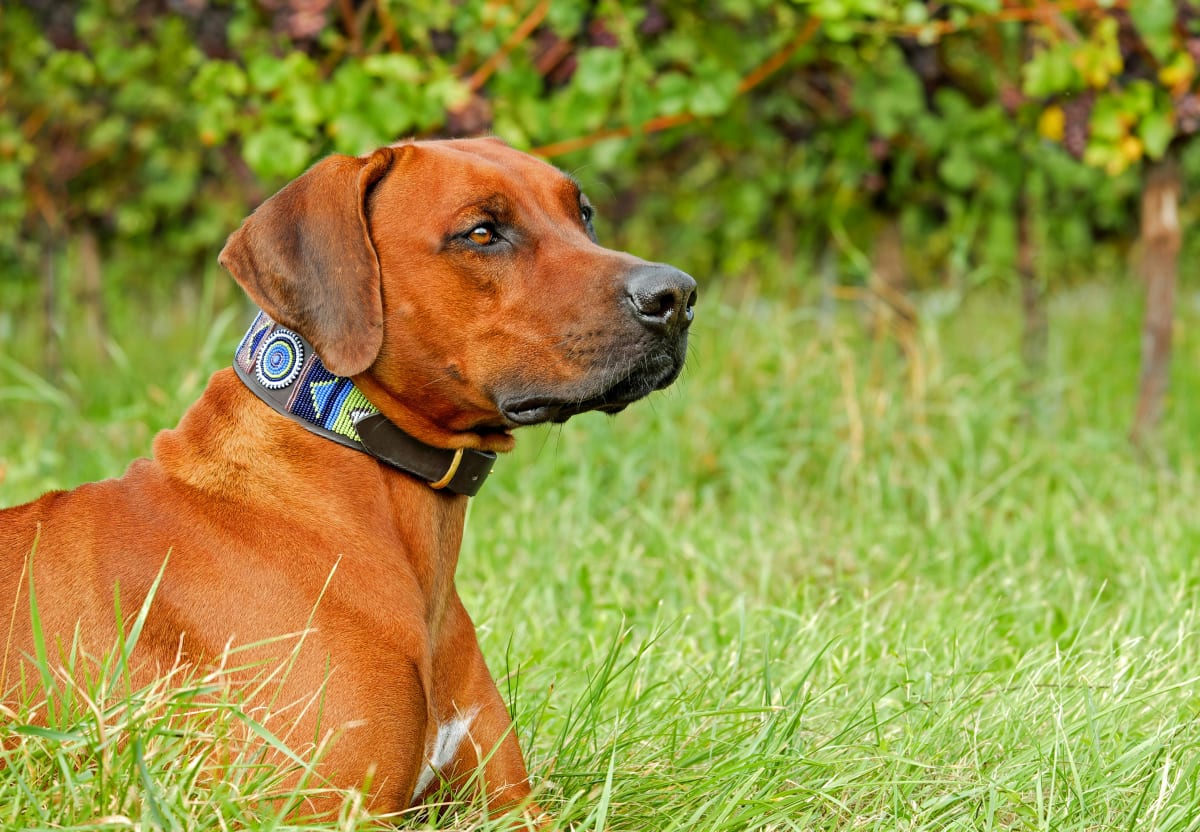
x,y
493,150
464,167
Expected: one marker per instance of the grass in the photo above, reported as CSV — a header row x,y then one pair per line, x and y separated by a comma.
x,y
813,586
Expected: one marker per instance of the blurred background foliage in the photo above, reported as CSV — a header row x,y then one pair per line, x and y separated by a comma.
x,y
906,575
823,146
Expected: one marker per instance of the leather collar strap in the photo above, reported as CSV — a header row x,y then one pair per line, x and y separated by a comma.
x,y
284,370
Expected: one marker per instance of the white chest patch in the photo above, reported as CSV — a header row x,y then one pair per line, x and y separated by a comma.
x,y
450,735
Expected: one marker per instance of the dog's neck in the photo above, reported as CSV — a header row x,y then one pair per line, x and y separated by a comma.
x,y
269,471
282,368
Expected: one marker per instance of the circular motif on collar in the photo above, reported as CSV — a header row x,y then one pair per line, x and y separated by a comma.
x,y
282,357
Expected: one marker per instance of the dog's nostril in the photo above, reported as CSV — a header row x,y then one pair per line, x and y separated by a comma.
x,y
661,295
659,305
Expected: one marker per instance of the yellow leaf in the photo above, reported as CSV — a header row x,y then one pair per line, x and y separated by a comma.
x,y
1131,148
1052,123
1179,73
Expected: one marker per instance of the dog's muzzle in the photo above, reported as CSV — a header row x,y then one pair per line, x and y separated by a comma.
x,y
661,301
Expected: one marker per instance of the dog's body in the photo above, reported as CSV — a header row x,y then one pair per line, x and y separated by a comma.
x,y
458,284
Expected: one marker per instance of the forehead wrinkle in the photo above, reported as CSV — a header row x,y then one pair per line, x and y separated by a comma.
x,y
572,191
485,183
533,174
573,183
496,204
538,198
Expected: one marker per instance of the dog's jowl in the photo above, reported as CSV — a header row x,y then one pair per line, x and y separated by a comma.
x,y
417,305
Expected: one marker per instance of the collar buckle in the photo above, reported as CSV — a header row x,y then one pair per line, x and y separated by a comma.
x,y
450,472
281,367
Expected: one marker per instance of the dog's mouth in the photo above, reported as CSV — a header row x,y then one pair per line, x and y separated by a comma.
x,y
537,411
614,397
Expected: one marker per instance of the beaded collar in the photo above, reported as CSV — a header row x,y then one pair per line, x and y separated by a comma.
x,y
284,370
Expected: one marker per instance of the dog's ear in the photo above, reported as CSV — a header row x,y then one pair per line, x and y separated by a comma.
x,y
306,258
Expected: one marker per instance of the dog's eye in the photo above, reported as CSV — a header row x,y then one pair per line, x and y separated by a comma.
x,y
586,212
483,235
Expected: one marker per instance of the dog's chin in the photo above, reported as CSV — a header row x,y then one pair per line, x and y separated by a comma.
x,y
558,407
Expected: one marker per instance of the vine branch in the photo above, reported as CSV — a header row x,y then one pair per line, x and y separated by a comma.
x,y
755,77
518,36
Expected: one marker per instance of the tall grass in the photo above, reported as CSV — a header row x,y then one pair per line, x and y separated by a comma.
x,y
819,584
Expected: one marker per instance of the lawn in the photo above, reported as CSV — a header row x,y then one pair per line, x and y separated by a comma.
x,y
821,583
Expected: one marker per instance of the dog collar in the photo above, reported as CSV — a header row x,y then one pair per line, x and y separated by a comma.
x,y
284,370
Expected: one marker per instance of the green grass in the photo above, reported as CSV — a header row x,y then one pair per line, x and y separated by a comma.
x,y
807,588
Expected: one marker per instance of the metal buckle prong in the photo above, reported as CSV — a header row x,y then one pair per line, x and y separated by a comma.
x,y
454,463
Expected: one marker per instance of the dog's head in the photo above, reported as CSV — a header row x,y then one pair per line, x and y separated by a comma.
x,y
461,285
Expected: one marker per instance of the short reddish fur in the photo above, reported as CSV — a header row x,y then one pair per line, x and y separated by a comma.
x,y
269,526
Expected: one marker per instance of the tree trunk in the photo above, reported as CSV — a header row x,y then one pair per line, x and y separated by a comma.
x,y
828,271
891,310
90,292
51,331
1161,239
887,256
1035,327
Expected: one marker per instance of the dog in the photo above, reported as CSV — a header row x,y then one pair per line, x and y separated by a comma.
x,y
418,304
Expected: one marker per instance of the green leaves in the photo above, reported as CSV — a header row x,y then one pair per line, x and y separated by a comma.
x,y
170,125
1156,130
892,97
712,90
1128,125
1051,71
274,152
600,72
1134,115
1155,22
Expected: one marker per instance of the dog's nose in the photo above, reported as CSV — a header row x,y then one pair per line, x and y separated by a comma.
x,y
662,296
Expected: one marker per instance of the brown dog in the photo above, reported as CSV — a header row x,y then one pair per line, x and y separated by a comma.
x,y
419,303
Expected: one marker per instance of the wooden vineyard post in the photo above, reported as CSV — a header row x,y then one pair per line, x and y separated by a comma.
x,y
1035,326
52,331
90,292
1161,238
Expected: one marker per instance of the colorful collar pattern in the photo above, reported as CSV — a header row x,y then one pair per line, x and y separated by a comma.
x,y
281,367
